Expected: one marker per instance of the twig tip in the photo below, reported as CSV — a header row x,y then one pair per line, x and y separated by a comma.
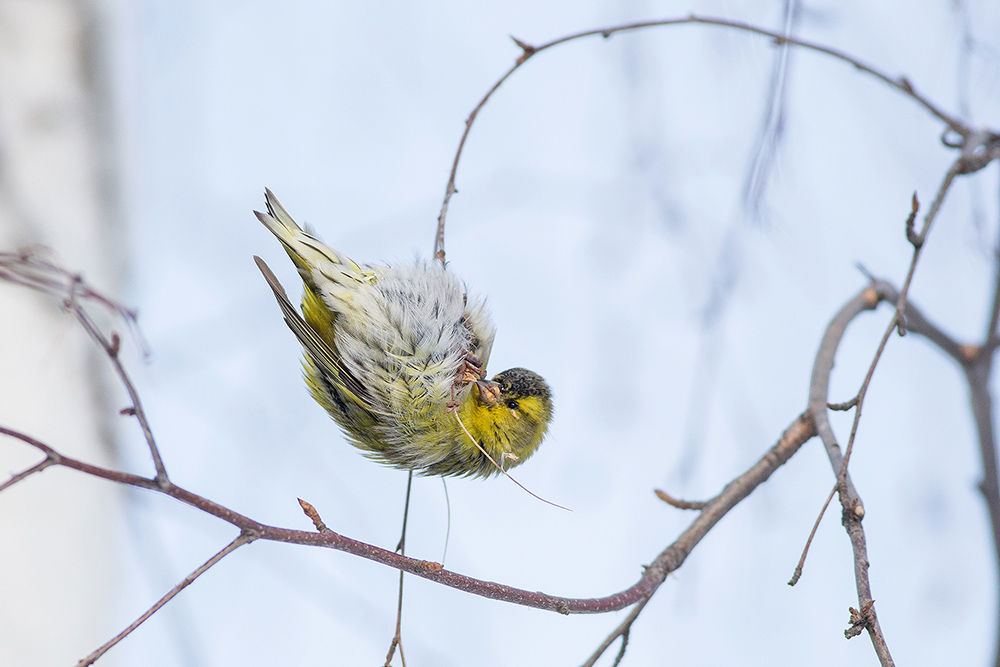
x,y
679,504
313,515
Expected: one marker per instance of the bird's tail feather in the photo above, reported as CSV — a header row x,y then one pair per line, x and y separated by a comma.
x,y
307,252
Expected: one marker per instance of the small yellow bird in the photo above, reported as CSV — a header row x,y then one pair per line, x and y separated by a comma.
x,y
397,356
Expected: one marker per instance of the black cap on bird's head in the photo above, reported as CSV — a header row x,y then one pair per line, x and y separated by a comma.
x,y
526,394
516,383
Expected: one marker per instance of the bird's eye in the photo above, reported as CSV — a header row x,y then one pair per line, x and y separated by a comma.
x,y
512,404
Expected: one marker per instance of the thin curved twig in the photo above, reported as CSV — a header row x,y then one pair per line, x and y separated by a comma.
x,y
244,538
917,323
978,374
397,638
902,85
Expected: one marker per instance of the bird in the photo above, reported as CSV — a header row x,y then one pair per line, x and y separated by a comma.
x,y
397,356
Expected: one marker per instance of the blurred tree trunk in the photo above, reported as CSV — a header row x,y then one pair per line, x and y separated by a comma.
x,y
55,173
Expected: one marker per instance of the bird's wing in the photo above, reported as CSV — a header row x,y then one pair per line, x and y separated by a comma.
x,y
320,352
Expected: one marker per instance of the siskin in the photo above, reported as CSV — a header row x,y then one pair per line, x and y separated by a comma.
x,y
397,356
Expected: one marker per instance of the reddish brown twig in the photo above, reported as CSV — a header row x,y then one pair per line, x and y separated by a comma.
x,y
669,560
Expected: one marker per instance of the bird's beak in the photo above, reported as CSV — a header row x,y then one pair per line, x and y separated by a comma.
x,y
487,392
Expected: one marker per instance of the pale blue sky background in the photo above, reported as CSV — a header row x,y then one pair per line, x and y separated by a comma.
x,y
600,209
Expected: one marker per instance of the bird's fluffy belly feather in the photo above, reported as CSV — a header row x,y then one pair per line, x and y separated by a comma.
x,y
415,331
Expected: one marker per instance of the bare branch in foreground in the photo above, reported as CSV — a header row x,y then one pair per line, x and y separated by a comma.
x,y
667,561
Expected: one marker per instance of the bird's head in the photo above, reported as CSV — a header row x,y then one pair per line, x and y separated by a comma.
x,y
510,415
